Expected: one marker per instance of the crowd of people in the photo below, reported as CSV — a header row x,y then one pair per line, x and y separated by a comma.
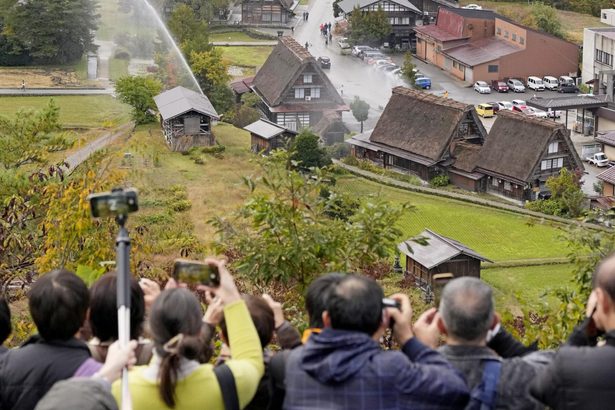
x,y
455,356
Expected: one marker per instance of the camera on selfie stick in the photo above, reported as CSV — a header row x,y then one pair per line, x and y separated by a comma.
x,y
118,204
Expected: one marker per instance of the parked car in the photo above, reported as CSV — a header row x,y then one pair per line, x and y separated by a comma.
x,y
372,60
535,83
344,46
515,85
472,6
518,102
378,63
423,82
396,71
554,113
496,107
367,54
537,112
325,62
564,79
599,159
499,86
356,50
485,110
551,83
482,87
388,68
505,105
523,109
568,88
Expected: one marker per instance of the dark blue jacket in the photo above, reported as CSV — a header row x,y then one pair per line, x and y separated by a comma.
x,y
347,370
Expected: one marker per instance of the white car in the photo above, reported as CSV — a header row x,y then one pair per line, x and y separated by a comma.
x,y
473,7
554,113
505,105
518,102
378,63
356,50
482,87
515,85
537,113
599,159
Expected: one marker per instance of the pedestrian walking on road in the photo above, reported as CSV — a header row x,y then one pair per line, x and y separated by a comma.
x,y
23,85
292,29
306,45
330,37
326,42
307,15
342,90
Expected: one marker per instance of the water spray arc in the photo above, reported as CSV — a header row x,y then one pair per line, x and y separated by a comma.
x,y
169,37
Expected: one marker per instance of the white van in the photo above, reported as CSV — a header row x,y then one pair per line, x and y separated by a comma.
x,y
551,83
535,83
565,80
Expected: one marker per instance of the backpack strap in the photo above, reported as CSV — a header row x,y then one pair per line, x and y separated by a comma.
x,y
485,393
227,387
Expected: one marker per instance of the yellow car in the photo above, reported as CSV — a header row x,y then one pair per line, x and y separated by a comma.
x,y
484,110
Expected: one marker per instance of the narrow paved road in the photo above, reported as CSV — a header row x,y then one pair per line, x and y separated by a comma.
x,y
77,158
56,91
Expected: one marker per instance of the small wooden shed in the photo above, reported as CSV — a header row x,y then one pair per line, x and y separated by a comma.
x,y
267,136
429,254
186,118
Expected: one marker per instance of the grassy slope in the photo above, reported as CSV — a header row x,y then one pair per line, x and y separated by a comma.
x,y
75,111
117,68
232,36
247,56
498,235
572,23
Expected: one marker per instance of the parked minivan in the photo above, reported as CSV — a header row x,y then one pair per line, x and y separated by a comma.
x,y
485,110
565,80
551,83
535,83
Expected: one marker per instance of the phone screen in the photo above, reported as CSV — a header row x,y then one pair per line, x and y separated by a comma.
x,y
196,273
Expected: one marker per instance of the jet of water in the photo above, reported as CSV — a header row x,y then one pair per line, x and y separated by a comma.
x,y
170,39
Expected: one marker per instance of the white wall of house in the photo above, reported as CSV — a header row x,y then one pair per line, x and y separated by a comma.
x,y
597,40
607,16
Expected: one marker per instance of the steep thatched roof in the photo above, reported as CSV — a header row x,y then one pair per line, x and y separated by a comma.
x,y
466,155
420,123
283,66
516,144
329,119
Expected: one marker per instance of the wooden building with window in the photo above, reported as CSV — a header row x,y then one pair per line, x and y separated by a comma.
x,y
267,12
294,91
266,136
426,135
430,254
521,152
186,118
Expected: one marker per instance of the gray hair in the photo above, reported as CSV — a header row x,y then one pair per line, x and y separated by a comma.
x,y
467,308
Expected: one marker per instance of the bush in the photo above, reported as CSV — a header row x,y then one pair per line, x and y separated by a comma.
x,y
440,181
339,150
122,54
181,205
546,206
352,161
214,149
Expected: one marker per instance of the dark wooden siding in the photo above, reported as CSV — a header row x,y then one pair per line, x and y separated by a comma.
x,y
464,182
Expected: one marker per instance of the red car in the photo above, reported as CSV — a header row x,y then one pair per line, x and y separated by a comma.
x,y
499,86
523,109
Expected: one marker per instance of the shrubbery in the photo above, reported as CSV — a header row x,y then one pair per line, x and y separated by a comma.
x,y
440,181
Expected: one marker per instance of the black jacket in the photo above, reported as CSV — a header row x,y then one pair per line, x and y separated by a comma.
x,y
580,377
516,374
27,373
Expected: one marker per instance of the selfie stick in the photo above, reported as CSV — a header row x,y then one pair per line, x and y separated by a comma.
x,y
122,248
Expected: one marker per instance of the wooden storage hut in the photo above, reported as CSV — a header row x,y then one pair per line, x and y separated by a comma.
x,y
266,136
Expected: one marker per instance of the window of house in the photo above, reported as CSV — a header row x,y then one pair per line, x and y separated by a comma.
x,y
521,40
604,16
554,163
299,92
507,186
514,37
494,182
553,147
492,68
454,64
315,92
499,31
505,33
307,78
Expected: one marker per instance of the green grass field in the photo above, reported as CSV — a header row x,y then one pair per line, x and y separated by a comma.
x,y
246,56
532,287
572,23
498,235
117,68
75,111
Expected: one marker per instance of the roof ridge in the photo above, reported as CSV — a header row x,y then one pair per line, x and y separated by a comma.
x,y
297,49
431,98
547,123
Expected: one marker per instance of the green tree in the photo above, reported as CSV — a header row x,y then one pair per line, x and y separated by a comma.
x,y
286,232
222,98
371,27
545,18
190,32
360,110
567,198
244,115
210,69
306,151
250,99
408,69
51,31
139,92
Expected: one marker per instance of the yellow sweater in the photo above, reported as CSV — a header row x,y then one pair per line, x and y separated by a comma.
x,y
200,389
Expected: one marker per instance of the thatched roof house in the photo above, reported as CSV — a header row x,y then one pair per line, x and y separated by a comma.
x,y
294,90
521,152
418,132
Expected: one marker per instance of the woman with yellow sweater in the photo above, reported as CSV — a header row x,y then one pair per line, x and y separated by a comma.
x,y
174,379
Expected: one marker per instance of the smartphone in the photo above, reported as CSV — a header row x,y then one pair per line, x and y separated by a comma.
x,y
390,303
196,273
116,202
